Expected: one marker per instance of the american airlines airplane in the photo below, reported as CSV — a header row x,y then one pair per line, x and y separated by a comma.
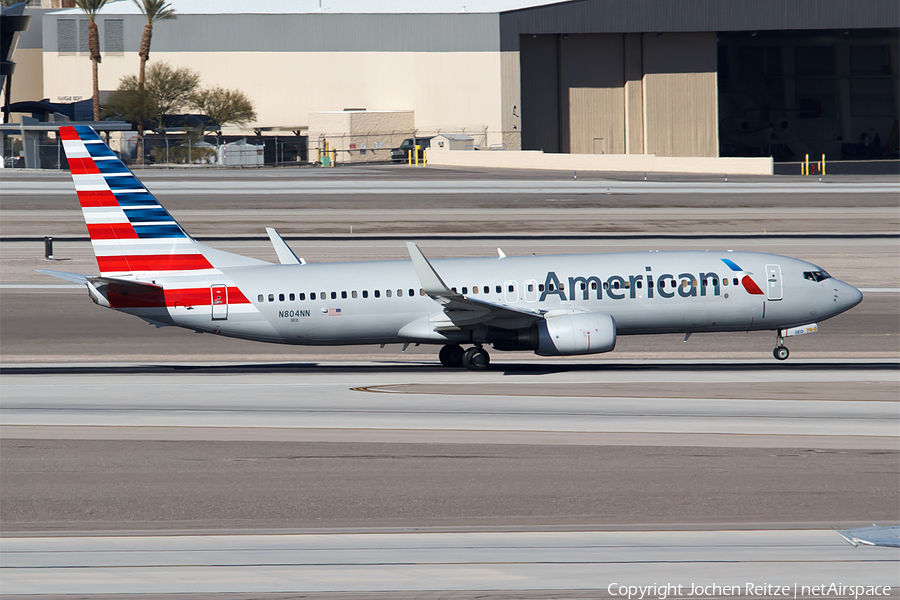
x,y
551,305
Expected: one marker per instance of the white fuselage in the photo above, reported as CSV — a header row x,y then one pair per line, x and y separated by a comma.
x,y
645,293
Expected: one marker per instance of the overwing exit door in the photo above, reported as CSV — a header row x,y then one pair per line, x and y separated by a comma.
x,y
773,282
219,302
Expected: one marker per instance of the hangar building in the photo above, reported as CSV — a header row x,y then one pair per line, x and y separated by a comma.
x,y
666,77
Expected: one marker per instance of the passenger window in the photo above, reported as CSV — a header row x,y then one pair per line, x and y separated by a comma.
x,y
486,289
593,285
605,285
365,293
302,296
412,292
322,296
399,293
562,287
499,290
512,288
583,285
616,285
271,297
639,284
530,287
475,290
344,295
725,281
387,293
261,298
334,295
378,293
540,287
312,295
353,294
715,281
421,292
453,289
465,291
281,297
734,281
550,287
291,297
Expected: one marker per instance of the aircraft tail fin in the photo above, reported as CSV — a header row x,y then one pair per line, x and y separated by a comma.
x,y
132,234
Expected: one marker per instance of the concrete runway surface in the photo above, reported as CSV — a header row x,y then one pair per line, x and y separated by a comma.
x,y
127,453
413,564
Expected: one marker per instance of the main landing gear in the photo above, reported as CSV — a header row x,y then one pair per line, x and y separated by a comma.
x,y
476,358
780,352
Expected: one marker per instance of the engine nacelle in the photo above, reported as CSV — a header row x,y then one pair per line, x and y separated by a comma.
x,y
579,333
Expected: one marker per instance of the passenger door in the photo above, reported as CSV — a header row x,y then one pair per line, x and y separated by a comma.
x,y
774,289
219,302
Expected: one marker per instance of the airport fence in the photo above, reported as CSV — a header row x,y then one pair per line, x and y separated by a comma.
x,y
374,147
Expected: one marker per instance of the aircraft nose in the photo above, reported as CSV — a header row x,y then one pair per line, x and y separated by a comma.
x,y
847,296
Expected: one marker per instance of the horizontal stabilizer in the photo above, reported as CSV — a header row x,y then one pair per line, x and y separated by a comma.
x,y
123,293
73,277
125,285
286,256
873,536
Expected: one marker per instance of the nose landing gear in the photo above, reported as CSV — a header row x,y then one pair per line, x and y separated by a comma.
x,y
780,352
476,359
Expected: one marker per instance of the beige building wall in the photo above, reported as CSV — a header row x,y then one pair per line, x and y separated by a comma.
x,y
28,80
450,91
680,94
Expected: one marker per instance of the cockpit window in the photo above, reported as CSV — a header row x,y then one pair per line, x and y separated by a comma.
x,y
816,275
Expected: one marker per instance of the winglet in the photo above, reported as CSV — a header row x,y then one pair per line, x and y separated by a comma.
x,y
286,256
430,281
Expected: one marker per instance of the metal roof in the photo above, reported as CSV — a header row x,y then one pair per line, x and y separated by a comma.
x,y
264,7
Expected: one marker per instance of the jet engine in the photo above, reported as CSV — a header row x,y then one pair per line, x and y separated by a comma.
x,y
579,333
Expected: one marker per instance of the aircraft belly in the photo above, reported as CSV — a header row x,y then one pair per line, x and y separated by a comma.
x,y
637,316
345,327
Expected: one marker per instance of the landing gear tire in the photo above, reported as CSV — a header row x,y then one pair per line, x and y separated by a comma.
x,y
476,359
451,355
781,353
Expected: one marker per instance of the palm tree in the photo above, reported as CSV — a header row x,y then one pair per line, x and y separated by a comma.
x,y
91,8
154,10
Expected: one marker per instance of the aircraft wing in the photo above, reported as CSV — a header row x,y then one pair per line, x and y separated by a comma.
x,y
463,311
873,536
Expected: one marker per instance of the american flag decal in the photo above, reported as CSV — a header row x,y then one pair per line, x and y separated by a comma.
x,y
334,312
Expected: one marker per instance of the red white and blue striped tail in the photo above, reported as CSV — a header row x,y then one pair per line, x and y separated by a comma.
x,y
132,234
